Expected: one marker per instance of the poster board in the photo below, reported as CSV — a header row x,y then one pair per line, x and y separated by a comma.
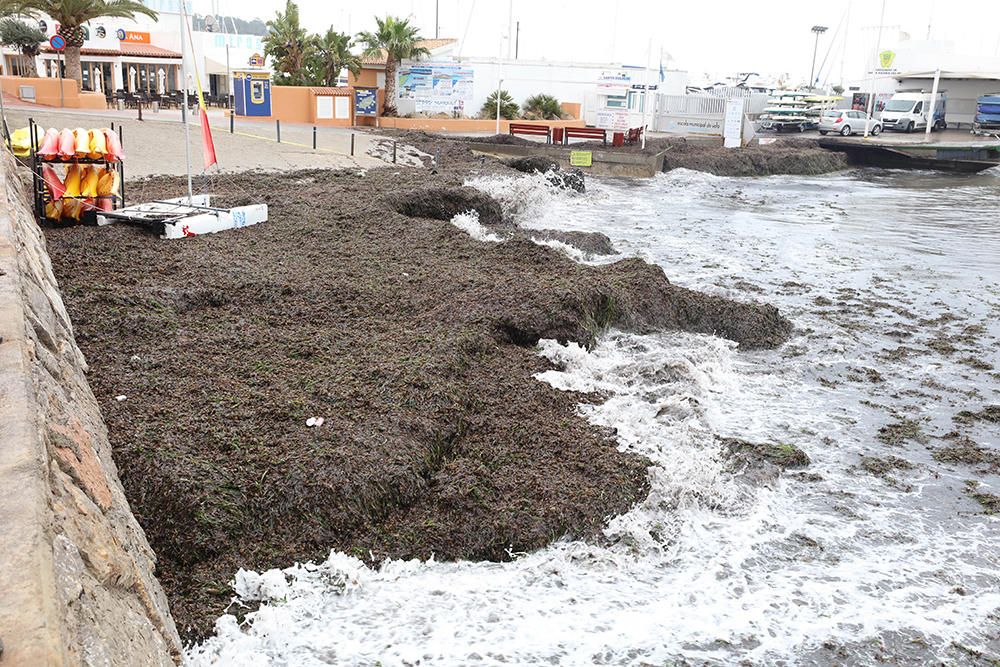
x,y
612,119
581,158
324,107
341,108
435,88
732,125
366,101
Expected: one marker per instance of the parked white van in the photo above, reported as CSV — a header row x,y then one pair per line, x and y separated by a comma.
x,y
907,111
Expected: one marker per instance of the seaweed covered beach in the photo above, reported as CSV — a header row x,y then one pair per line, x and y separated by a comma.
x,y
361,304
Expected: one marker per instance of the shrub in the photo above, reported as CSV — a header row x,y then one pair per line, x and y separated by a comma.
x,y
508,107
542,107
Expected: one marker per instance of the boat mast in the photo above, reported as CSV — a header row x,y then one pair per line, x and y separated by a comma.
x,y
871,88
184,110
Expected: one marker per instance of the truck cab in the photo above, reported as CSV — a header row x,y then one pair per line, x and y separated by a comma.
x,y
908,111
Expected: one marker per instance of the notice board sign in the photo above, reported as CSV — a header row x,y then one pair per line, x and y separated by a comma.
x,y
581,159
366,101
732,126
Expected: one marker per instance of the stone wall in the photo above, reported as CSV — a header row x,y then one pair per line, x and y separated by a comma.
x,y
77,583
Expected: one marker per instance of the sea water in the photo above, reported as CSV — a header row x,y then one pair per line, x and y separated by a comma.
x,y
892,280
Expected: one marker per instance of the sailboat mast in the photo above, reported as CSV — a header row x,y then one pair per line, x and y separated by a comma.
x,y
184,109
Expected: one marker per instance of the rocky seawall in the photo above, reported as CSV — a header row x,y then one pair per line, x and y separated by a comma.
x,y
76,572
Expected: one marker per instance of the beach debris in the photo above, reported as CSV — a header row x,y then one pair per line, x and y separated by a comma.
x,y
314,422
120,397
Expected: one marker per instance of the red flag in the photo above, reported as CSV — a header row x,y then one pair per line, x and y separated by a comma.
x,y
208,146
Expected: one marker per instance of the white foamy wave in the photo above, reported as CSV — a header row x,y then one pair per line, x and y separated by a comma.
x,y
565,248
520,195
469,223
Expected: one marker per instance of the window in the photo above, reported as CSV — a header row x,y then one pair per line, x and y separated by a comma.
x,y
919,108
616,102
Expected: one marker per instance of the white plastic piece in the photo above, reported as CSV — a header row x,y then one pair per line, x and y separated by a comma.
x,y
190,218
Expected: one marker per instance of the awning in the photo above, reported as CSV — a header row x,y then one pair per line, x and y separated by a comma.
x,y
214,67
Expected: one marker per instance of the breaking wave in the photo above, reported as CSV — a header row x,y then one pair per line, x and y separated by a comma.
x,y
836,564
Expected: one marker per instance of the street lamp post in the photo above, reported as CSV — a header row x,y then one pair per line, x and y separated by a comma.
x,y
819,30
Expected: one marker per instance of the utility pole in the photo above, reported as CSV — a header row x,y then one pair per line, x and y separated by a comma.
x,y
437,21
517,39
510,26
499,81
819,30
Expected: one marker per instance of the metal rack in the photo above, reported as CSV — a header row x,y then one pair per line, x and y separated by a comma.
x,y
41,192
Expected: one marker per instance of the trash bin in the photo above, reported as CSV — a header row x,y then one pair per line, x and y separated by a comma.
x,y
121,105
156,107
618,139
557,135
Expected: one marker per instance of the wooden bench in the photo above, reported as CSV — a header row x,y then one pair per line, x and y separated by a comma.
x,y
585,133
633,135
533,130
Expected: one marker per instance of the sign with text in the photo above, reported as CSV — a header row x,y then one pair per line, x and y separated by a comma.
x,y
612,119
436,88
581,158
732,127
133,36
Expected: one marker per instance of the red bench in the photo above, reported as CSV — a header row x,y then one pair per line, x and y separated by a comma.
x,y
533,130
633,136
585,133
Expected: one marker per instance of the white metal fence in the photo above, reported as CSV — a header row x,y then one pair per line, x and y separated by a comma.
x,y
702,115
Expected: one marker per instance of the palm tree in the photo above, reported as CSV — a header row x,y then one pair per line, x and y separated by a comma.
x,y
331,55
71,15
542,106
395,39
508,107
289,47
25,38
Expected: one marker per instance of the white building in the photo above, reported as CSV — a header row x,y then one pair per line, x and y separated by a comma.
x,y
145,54
454,84
912,64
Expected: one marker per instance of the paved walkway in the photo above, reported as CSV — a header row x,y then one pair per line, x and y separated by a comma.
x,y
156,144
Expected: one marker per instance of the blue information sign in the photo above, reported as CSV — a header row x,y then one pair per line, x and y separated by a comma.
x,y
365,101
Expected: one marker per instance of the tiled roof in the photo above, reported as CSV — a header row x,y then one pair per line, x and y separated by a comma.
x,y
325,90
147,51
137,50
429,44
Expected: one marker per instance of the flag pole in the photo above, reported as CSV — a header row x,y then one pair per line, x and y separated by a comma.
x,y
645,97
184,100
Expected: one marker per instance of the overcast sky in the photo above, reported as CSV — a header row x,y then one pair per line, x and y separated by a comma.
x,y
719,36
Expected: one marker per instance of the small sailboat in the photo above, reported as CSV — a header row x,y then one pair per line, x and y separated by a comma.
x,y
191,215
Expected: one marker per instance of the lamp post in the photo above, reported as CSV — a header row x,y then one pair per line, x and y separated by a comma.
x,y
819,30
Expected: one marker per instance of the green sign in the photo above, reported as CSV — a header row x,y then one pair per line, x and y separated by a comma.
x,y
581,158
886,59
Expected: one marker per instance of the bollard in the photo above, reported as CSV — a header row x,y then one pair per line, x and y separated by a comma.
x,y
112,126
121,135
232,122
314,137
394,152
352,144
138,106
277,125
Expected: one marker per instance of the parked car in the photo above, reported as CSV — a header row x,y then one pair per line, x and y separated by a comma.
x,y
846,122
